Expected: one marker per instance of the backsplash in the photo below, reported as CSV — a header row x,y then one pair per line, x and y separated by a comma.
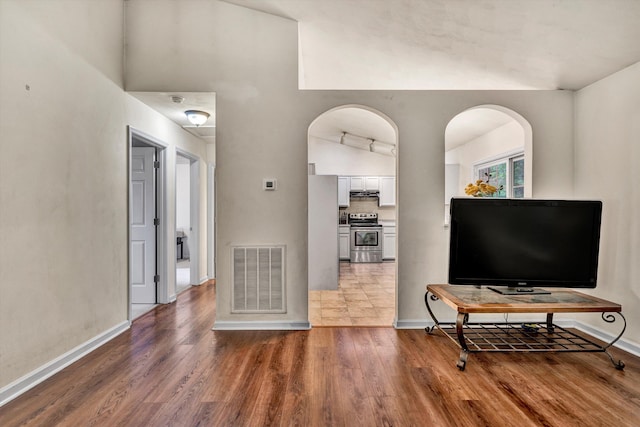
x,y
386,213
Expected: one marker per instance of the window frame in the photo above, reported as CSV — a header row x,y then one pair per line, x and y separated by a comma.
x,y
507,158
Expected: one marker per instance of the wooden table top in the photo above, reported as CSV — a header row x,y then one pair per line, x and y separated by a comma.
x,y
471,299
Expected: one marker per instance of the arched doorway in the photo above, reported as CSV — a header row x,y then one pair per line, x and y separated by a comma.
x,y
489,142
352,155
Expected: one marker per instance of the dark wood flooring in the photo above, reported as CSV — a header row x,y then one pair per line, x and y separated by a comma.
x,y
171,369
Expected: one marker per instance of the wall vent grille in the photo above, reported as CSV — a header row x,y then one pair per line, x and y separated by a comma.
x,y
257,275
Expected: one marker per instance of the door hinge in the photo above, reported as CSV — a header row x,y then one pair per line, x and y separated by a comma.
x,y
156,221
156,278
156,164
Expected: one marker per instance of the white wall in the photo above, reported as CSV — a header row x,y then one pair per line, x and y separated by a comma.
x,y
63,205
64,178
608,168
504,139
332,158
69,54
262,132
63,175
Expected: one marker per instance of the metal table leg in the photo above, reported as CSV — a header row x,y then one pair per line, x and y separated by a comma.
x,y
461,320
610,318
430,329
550,323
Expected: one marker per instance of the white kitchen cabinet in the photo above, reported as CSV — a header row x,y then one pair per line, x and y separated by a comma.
x,y
371,183
356,183
344,241
387,191
343,191
389,242
365,183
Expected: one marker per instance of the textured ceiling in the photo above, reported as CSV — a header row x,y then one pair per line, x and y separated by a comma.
x,y
460,44
455,45
443,44
471,124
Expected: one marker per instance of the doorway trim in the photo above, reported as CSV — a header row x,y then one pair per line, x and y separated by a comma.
x,y
194,209
211,221
161,212
395,323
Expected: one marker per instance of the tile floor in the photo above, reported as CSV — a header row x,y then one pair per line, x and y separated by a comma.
x,y
365,297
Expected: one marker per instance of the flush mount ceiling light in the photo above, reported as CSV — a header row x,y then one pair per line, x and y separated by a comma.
x,y
197,117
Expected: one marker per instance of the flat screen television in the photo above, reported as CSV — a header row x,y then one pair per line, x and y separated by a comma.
x,y
514,245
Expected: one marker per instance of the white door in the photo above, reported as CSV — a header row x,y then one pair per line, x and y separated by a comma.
x,y
143,229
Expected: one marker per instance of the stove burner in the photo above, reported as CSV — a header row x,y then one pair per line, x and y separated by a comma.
x,y
363,219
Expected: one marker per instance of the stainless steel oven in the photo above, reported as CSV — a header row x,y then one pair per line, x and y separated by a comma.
x,y
366,238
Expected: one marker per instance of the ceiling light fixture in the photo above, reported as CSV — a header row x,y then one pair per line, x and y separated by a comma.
x,y
197,117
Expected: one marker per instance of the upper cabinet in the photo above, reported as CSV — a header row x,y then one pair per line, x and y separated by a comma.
x,y
371,183
357,183
386,185
387,191
343,191
365,183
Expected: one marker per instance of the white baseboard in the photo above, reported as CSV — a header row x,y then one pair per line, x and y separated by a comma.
x,y
412,323
203,280
45,371
622,344
260,325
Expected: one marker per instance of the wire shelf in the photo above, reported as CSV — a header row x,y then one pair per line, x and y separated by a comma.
x,y
528,337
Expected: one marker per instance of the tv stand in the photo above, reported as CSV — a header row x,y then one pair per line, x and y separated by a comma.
x,y
525,290
518,336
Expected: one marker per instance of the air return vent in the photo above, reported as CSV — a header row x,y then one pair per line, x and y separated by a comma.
x,y
258,279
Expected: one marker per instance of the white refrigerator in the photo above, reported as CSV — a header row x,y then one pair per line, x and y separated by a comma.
x,y
323,232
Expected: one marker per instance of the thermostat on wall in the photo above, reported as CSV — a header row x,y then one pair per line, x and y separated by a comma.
x,y
269,184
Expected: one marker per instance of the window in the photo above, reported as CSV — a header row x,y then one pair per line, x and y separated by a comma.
x,y
506,173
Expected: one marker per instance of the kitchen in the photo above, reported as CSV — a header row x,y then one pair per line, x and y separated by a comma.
x,y
352,219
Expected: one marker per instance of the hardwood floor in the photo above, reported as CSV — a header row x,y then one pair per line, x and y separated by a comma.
x,y
171,369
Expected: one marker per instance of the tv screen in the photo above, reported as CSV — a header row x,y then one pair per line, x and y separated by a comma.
x,y
521,243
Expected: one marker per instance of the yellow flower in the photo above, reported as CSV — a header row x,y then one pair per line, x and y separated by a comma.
x,y
471,190
480,189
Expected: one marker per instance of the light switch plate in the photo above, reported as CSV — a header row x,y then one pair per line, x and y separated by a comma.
x,y
269,184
